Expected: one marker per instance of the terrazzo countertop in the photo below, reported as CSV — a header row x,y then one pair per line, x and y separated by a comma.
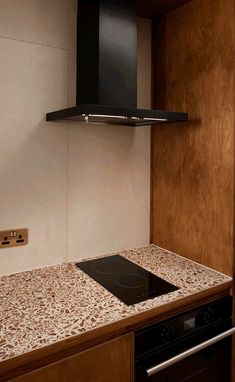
x,y
44,306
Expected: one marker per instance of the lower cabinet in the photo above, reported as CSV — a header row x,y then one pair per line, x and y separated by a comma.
x,y
108,362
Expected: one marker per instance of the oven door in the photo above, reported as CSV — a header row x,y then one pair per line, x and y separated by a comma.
x,y
210,361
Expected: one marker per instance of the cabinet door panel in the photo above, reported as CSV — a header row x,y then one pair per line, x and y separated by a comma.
x,y
108,362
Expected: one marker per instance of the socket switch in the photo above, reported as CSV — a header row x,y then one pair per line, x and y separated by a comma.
x,y
13,237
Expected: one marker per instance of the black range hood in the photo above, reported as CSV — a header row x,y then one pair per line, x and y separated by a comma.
x,y
106,89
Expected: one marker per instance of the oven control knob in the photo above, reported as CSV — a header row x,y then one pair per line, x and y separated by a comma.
x,y
166,333
207,315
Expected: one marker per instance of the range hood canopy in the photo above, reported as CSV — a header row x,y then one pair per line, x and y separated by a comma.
x,y
115,115
107,68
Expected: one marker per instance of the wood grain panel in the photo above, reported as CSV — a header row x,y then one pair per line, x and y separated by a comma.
x,y
108,362
193,163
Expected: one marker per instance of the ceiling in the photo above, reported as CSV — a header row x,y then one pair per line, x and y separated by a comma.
x,y
154,8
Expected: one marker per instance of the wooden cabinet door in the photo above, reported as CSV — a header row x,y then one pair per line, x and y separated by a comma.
x,y
108,362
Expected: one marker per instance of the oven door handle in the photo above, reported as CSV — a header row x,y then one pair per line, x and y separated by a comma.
x,y
155,369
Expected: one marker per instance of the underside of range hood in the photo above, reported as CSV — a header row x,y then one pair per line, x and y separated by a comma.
x,y
107,68
115,115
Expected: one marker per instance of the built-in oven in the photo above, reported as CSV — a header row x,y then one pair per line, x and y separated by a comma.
x,y
192,347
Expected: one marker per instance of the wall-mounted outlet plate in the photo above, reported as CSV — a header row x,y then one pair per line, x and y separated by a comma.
x,y
13,237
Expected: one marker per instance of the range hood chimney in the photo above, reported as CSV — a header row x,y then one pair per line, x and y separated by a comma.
x,y
106,85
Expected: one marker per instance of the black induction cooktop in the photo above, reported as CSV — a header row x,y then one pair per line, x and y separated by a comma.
x,y
126,280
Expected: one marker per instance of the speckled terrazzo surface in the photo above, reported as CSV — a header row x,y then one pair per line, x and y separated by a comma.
x,y
43,306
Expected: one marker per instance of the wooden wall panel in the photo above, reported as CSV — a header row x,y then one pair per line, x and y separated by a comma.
x,y
193,163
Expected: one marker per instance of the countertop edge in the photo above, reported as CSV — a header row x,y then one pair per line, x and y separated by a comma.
x,y
32,360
